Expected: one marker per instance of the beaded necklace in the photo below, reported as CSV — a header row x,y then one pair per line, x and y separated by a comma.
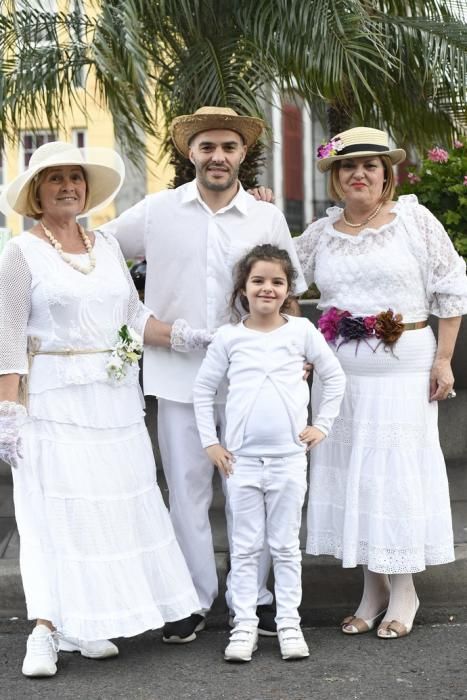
x,y
372,216
68,258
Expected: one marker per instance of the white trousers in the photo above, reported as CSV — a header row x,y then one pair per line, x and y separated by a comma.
x,y
266,499
189,474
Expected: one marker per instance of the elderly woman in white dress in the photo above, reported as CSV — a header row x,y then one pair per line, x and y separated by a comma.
x,y
98,554
378,492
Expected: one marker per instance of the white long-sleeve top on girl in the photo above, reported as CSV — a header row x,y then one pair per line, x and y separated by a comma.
x,y
267,399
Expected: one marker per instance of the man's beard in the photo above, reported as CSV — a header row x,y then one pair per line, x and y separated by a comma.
x,y
202,178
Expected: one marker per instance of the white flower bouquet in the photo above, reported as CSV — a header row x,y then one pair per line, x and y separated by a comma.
x,y
127,352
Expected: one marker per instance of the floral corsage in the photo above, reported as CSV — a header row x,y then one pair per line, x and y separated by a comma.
x,y
127,352
331,148
386,326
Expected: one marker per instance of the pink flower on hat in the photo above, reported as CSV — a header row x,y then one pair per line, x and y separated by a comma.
x,y
413,178
331,148
438,155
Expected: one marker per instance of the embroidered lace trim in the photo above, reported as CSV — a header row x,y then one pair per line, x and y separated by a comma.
x,y
379,559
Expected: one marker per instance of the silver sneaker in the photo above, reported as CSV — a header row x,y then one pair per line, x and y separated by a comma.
x,y
243,642
41,653
99,649
292,643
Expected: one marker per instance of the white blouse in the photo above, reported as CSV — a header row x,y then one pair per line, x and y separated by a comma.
x,y
42,297
408,265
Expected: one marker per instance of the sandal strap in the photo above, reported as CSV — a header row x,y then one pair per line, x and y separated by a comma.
x,y
357,622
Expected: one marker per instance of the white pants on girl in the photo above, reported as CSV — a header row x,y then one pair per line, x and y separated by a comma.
x,y
265,497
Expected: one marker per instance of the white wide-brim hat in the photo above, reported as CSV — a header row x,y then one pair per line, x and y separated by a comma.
x,y
356,143
183,128
104,170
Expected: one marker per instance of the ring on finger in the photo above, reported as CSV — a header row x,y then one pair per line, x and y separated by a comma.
x,y
451,394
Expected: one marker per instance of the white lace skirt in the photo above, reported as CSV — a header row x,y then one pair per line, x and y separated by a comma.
x,y
98,553
378,488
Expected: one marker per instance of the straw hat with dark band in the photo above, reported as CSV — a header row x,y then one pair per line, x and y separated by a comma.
x,y
355,143
183,128
104,170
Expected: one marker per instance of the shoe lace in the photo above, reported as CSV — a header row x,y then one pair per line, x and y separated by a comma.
x,y
40,645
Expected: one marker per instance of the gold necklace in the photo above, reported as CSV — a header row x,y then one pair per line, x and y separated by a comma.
x,y
372,216
68,258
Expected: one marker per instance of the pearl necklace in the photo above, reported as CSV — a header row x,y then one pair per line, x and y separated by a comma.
x,y
372,216
68,258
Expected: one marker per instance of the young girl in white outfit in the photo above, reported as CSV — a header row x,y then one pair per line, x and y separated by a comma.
x,y
266,438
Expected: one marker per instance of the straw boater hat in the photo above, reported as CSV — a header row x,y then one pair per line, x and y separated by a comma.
x,y
104,170
357,142
182,129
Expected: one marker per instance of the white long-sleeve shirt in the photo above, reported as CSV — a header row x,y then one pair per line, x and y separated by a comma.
x,y
191,252
250,358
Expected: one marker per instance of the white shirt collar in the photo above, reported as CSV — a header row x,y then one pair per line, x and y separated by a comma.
x,y
240,201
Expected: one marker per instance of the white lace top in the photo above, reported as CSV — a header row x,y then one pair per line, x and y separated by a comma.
x,y
408,265
42,297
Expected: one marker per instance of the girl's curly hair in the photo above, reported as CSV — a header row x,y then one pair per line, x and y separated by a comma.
x,y
243,269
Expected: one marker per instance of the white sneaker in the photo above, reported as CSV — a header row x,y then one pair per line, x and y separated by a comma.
x,y
243,642
292,643
99,649
41,652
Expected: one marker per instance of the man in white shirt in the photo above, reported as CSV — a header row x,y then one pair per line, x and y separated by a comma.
x,y
192,237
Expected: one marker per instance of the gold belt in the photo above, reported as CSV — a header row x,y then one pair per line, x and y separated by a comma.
x,y
415,326
69,351
23,390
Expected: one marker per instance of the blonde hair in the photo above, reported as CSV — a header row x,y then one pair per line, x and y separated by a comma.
x,y
33,207
335,191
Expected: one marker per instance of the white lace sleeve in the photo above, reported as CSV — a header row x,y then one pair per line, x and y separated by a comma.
x,y
306,246
138,313
445,270
15,307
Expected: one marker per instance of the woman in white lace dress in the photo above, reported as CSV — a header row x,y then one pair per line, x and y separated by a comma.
x,y
98,553
379,493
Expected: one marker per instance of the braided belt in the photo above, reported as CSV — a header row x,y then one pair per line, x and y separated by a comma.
x,y
33,351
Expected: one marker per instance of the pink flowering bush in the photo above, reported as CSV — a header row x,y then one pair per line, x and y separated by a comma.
x,y
438,155
440,183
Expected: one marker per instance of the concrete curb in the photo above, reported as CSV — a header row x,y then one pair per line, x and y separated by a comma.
x,y
329,592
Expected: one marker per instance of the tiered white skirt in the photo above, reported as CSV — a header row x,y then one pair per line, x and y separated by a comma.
x,y
378,488
98,553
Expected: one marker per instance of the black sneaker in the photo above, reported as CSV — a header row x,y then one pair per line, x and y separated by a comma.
x,y
183,631
267,623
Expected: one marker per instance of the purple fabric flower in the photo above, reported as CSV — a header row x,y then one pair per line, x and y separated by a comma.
x,y
330,149
353,328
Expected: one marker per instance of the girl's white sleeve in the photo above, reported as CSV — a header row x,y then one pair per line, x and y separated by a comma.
x,y
15,307
332,378
208,379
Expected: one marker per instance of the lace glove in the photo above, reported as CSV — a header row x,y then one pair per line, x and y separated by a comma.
x,y
12,417
184,338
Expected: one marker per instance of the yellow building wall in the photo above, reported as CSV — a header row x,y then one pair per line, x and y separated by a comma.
x,y
98,124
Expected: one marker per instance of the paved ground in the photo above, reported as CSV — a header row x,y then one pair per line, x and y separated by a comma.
x,y
429,664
